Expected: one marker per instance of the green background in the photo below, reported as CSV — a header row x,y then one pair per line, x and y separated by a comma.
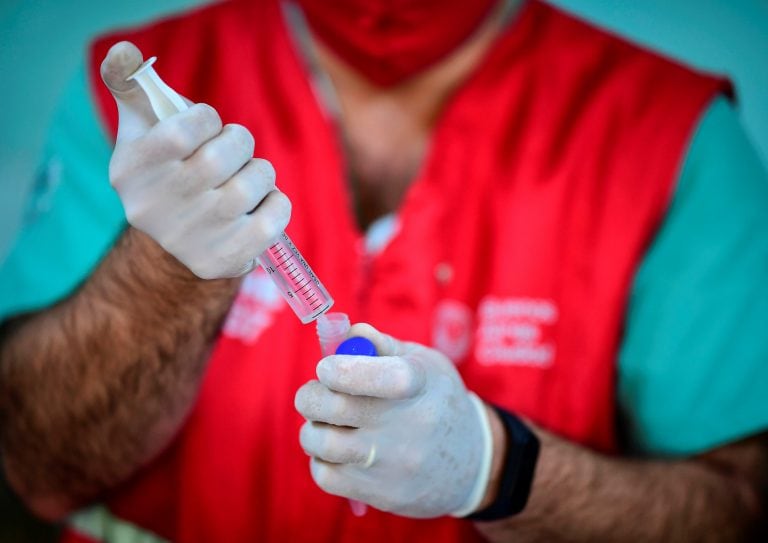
x,y
41,42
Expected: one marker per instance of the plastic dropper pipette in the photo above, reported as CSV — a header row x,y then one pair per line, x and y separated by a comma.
x,y
282,261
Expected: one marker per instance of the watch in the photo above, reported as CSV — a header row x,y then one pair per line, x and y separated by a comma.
x,y
519,465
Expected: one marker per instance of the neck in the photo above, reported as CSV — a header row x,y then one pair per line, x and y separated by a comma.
x,y
386,130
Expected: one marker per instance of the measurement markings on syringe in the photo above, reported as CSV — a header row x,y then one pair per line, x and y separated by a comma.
x,y
302,284
297,282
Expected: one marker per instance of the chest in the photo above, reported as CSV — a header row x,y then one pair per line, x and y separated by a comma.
x,y
521,225
508,267
384,143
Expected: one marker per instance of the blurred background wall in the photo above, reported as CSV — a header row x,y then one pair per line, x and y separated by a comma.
x,y
41,44
42,41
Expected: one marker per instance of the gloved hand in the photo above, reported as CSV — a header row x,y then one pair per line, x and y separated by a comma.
x,y
398,431
189,183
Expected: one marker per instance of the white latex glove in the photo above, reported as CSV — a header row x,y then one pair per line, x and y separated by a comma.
x,y
189,183
397,431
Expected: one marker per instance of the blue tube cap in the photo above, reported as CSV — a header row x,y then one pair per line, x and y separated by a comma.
x,y
359,346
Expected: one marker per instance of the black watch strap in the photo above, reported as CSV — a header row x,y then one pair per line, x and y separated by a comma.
x,y
517,470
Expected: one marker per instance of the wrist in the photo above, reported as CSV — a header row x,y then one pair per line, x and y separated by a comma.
x,y
499,437
143,248
147,271
516,452
485,440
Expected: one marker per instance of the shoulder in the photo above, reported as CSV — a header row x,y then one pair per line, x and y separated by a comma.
x,y
699,299
574,48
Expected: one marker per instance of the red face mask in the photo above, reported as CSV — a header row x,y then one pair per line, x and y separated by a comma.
x,y
387,41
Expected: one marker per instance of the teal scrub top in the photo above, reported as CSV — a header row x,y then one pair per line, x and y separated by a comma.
x,y
693,363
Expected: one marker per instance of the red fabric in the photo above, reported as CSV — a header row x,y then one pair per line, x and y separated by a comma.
x,y
71,536
548,175
389,40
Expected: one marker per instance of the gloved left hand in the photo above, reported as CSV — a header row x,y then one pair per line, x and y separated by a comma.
x,y
398,431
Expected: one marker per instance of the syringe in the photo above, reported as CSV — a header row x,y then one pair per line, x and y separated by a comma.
x,y
284,264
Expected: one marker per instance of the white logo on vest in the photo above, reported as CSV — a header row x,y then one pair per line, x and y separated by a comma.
x,y
516,331
452,330
254,308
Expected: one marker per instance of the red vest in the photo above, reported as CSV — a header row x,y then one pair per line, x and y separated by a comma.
x,y
548,175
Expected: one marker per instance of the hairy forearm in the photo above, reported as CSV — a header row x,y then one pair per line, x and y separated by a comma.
x,y
579,495
94,387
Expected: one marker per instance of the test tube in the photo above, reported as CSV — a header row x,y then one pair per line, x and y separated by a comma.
x,y
332,330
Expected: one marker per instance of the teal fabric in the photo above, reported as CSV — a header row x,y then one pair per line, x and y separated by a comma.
x,y
693,368
73,216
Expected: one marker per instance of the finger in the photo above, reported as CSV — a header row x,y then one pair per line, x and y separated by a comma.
x,y
179,136
268,220
345,480
385,344
334,443
134,109
318,403
246,237
122,60
245,190
390,377
329,477
222,156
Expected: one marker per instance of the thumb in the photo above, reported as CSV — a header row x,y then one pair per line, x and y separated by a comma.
x,y
133,107
385,344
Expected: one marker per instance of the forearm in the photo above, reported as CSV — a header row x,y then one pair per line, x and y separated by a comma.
x,y
96,386
579,495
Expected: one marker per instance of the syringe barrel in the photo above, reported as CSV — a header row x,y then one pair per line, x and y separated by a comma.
x,y
296,281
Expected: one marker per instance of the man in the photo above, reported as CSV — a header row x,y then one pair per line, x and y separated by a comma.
x,y
539,231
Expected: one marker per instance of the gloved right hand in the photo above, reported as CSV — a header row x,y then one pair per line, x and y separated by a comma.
x,y
189,183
